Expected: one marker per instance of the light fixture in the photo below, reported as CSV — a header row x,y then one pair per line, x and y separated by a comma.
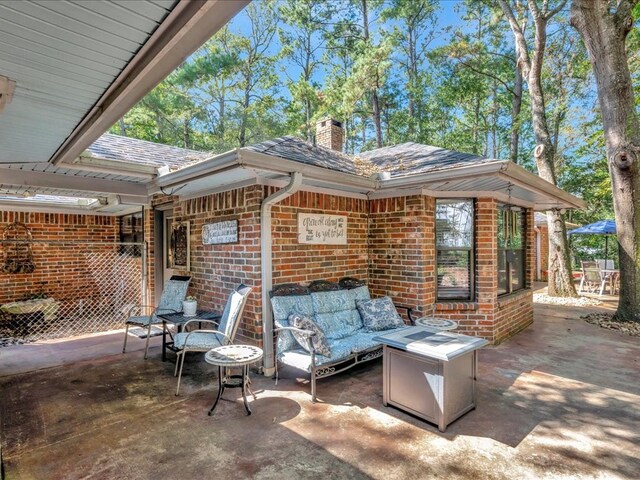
x,y
7,87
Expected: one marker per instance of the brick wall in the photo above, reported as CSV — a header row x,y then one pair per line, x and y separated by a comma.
x,y
217,269
60,270
301,263
402,250
492,317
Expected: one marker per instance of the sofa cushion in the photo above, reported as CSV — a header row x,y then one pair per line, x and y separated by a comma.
x,y
333,301
299,358
360,293
318,341
286,305
379,314
283,306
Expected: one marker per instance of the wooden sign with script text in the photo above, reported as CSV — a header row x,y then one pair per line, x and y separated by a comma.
x,y
220,232
321,229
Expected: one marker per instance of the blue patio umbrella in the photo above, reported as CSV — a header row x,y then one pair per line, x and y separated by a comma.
x,y
602,227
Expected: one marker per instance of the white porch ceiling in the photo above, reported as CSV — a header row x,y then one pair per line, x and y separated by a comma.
x,y
80,65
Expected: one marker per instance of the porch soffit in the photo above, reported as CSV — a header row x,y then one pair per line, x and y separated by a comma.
x,y
80,66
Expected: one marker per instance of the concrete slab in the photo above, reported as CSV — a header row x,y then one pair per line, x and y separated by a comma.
x,y
559,400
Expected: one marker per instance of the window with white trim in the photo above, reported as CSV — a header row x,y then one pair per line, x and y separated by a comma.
x,y
455,249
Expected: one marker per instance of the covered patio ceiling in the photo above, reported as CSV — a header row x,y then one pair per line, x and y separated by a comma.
x,y
78,67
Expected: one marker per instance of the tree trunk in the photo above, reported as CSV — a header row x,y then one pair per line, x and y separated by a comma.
x,y
559,274
185,133
516,105
604,33
375,103
123,128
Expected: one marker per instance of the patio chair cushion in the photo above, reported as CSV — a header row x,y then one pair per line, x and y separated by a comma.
x,y
379,314
318,341
336,313
143,320
173,294
198,340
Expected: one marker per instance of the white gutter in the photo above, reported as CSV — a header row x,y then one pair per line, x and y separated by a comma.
x,y
93,164
406,181
219,163
266,267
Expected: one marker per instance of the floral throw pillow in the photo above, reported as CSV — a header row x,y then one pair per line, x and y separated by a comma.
x,y
379,314
318,341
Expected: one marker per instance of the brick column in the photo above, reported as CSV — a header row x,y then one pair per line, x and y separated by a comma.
x,y
486,266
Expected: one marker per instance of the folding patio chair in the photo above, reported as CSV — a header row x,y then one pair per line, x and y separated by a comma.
x,y
174,292
203,340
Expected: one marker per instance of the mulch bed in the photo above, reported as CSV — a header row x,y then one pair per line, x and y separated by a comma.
x,y
605,320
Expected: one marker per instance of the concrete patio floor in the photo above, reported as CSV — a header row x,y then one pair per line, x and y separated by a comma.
x,y
559,400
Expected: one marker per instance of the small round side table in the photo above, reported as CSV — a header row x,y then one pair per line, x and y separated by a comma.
x,y
436,324
233,356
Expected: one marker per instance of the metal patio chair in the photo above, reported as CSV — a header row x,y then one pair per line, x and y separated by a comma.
x,y
591,279
203,340
174,292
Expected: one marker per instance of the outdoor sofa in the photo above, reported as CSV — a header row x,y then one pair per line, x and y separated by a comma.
x,y
338,310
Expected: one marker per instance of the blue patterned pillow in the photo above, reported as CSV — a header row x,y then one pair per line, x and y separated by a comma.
x,y
379,314
318,341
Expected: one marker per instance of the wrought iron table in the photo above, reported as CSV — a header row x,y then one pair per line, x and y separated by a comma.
x,y
179,319
233,356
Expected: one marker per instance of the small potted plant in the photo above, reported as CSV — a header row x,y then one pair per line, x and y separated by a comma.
x,y
189,306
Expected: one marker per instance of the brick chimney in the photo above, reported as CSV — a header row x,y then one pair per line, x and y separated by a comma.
x,y
329,134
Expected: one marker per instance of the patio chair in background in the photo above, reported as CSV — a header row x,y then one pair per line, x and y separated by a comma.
x,y
591,278
203,340
174,292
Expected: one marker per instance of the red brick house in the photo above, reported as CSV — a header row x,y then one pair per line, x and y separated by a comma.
x,y
421,224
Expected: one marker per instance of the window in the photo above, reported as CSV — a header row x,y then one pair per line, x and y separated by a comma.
x,y
511,249
131,231
454,249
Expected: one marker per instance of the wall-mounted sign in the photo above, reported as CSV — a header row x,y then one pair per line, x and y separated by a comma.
x,y
321,229
220,232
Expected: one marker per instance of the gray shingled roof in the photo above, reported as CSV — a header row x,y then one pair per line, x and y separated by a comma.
x,y
291,148
412,158
125,149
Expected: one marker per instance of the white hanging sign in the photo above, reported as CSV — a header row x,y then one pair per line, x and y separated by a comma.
x,y
220,232
321,229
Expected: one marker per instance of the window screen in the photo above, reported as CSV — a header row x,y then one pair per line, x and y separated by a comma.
x,y
511,249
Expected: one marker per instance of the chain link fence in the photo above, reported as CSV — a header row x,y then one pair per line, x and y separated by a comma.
x,y
76,288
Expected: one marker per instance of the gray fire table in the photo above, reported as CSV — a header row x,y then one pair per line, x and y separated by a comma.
x,y
431,375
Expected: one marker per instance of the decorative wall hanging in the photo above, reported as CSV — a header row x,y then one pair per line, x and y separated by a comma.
x,y
220,232
18,257
180,246
321,229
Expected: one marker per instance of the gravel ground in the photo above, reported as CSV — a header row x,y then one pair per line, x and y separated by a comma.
x,y
605,320
572,302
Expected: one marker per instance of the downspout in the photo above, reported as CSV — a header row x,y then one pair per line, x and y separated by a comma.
x,y
266,267
538,252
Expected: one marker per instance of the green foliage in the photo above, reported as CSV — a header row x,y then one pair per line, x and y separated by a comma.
x,y
282,65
